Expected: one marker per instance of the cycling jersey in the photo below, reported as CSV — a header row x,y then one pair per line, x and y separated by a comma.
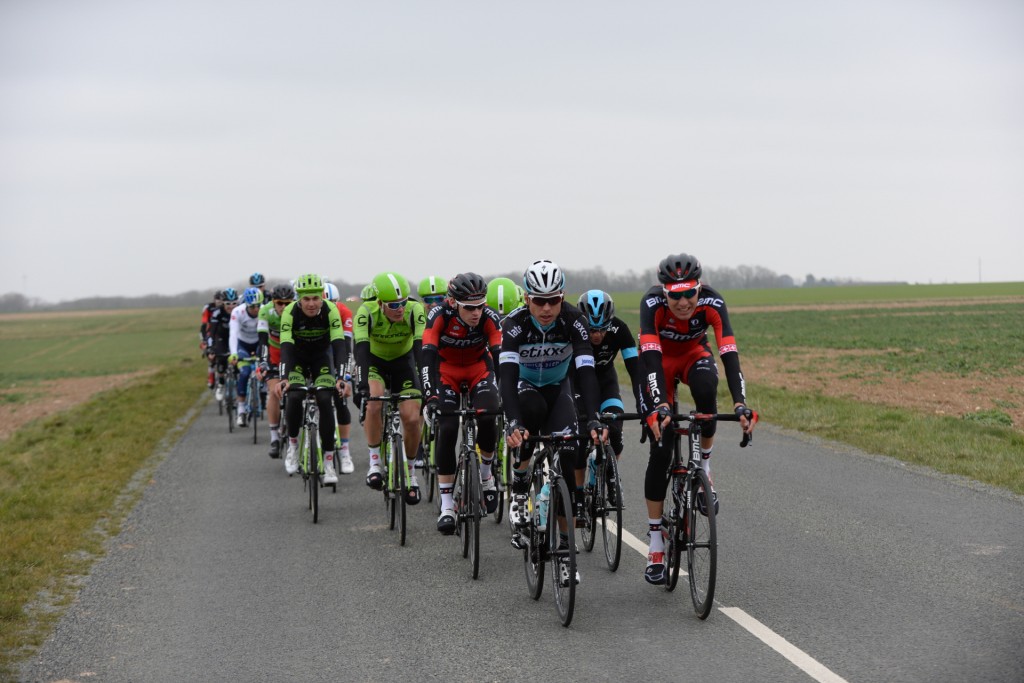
x,y
393,347
308,340
664,337
542,356
218,331
449,343
242,331
268,326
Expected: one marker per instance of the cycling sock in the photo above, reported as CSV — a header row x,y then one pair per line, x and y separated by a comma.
x,y
485,468
657,542
375,456
344,445
274,434
447,501
705,461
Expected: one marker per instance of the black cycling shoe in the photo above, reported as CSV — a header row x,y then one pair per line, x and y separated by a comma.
x,y
580,514
655,573
491,501
275,449
375,480
412,495
446,522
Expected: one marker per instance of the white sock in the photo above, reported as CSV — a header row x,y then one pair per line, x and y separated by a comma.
x,y
375,456
485,469
274,435
657,542
447,500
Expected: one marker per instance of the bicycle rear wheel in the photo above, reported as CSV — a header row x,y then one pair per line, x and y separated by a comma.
x,y
230,403
609,489
389,483
473,511
535,553
702,546
253,396
563,559
498,467
593,503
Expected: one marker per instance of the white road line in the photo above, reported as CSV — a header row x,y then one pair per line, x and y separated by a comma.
x,y
798,657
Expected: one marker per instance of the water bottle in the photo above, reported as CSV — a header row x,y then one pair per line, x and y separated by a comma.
x,y
591,469
542,507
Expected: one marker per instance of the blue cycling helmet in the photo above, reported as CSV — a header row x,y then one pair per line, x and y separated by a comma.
x,y
257,279
598,308
253,297
230,296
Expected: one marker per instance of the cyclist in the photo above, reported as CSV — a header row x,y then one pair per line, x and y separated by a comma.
x,y
204,325
540,342
461,336
674,319
369,293
332,294
504,296
610,336
432,291
388,335
218,333
269,329
259,282
312,349
243,340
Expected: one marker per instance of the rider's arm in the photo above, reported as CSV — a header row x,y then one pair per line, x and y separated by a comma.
x,y
652,377
429,372
233,329
339,346
718,317
287,341
508,369
583,364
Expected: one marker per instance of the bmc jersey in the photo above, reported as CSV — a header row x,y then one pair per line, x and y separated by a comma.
x,y
451,341
664,334
544,355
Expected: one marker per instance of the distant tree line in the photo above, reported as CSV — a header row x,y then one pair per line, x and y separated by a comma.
x,y
722,278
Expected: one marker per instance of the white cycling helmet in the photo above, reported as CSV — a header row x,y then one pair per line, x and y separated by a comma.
x,y
543,278
331,292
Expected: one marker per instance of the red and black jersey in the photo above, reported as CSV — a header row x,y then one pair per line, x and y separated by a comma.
x,y
447,340
661,333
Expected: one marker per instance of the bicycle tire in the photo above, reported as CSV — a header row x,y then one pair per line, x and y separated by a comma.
x,y
429,471
673,528
254,407
565,596
473,512
314,477
609,482
535,553
498,472
399,458
388,486
592,504
702,546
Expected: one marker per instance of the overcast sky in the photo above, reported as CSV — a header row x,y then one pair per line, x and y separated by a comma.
x,y
161,146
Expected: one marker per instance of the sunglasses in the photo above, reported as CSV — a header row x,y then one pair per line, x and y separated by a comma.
x,y
281,302
685,294
472,307
433,299
396,305
546,300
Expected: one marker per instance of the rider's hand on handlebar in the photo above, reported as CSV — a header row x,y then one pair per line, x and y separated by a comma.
x,y
658,419
747,420
515,433
281,387
598,431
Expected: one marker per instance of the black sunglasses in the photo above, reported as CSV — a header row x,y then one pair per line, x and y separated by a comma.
x,y
546,300
433,299
685,294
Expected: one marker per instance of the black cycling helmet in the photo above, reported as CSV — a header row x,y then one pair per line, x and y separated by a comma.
x,y
218,295
257,279
467,287
598,308
283,293
678,268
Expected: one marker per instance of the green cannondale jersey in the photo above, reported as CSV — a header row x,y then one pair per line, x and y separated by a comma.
x,y
269,321
389,340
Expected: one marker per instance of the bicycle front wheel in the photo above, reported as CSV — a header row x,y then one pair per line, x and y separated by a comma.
x,y
498,468
473,511
702,545
563,551
401,485
673,528
535,553
314,476
609,493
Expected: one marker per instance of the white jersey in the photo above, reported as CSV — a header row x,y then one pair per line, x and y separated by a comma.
x,y
242,328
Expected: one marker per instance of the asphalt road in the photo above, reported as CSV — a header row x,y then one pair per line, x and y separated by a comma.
x,y
834,565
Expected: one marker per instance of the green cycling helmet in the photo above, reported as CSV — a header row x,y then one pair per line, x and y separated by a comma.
x,y
502,295
432,286
369,293
309,284
391,287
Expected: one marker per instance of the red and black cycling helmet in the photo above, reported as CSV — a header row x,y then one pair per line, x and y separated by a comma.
x,y
467,287
679,268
